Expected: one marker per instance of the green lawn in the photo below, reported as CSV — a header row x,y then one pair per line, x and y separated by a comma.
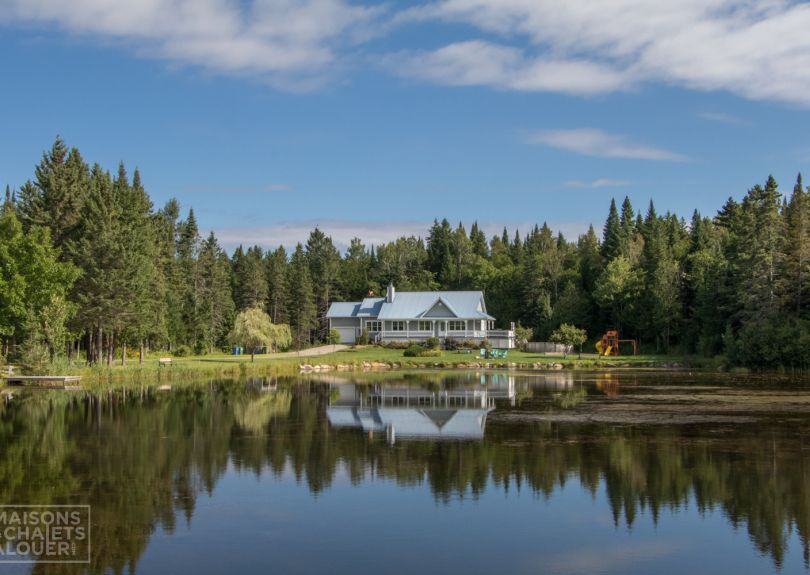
x,y
229,366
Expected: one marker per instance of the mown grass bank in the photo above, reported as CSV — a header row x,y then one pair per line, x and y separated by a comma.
x,y
353,359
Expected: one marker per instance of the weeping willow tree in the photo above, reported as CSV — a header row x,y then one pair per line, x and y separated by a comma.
x,y
253,329
253,414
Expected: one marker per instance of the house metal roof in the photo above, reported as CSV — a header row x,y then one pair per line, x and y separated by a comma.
x,y
343,309
415,305
371,306
413,422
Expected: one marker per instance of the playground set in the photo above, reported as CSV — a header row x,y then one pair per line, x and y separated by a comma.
x,y
609,344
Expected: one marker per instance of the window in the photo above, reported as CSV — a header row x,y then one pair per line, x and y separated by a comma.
x,y
397,326
456,325
425,326
374,326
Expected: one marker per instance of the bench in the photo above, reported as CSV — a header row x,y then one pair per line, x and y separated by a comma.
x,y
164,361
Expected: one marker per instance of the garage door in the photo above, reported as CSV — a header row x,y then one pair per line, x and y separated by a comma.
x,y
347,334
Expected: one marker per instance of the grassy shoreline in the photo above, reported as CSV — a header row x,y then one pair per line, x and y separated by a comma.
x,y
368,358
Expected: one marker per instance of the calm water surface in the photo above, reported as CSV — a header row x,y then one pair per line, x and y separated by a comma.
x,y
400,473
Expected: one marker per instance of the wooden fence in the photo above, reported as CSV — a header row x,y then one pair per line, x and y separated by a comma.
x,y
547,347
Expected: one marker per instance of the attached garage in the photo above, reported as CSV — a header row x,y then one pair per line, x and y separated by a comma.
x,y
347,334
341,318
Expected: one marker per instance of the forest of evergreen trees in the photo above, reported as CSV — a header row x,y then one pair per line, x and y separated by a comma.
x,y
88,266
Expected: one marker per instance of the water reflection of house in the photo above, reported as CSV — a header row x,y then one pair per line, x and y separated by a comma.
x,y
417,412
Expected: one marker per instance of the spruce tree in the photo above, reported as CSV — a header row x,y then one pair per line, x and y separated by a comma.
x,y
797,242
216,303
478,240
323,260
612,234
276,270
300,300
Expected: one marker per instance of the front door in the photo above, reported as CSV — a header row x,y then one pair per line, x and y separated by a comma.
x,y
438,328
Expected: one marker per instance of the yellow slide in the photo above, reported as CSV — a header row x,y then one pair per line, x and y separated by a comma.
x,y
600,351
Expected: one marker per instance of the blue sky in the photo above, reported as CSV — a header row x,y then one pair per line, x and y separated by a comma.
x,y
271,116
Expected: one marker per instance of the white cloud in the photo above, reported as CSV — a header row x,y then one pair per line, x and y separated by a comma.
x,y
478,63
289,234
593,142
615,558
757,49
289,43
723,118
598,183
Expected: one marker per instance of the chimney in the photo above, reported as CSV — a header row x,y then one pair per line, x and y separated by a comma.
x,y
390,294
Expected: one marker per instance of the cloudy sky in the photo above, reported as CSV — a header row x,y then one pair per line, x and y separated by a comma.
x,y
371,119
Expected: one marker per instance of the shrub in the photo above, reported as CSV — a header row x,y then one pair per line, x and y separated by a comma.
x,y
363,339
182,351
432,343
334,337
420,351
450,344
413,351
523,335
396,345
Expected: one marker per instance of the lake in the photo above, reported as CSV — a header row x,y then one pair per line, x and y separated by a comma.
x,y
430,472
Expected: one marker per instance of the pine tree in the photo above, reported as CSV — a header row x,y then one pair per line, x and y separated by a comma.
x,y
354,271
612,234
54,200
301,311
216,302
797,257
323,260
461,254
188,279
250,275
439,253
479,241
627,221
759,254
276,270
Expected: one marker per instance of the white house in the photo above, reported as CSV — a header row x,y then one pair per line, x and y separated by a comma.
x,y
417,316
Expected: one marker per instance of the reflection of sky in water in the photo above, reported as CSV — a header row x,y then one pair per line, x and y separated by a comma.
x,y
381,526
292,493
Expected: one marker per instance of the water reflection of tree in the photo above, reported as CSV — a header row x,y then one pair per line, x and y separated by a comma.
x,y
141,461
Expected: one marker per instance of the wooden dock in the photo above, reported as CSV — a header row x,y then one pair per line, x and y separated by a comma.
x,y
49,380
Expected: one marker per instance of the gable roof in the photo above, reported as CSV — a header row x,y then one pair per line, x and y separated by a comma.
x,y
426,423
439,309
415,304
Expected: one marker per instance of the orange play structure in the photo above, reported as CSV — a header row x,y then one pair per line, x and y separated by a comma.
x,y
609,344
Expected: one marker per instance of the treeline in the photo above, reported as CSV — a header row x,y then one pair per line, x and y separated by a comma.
x,y
89,266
